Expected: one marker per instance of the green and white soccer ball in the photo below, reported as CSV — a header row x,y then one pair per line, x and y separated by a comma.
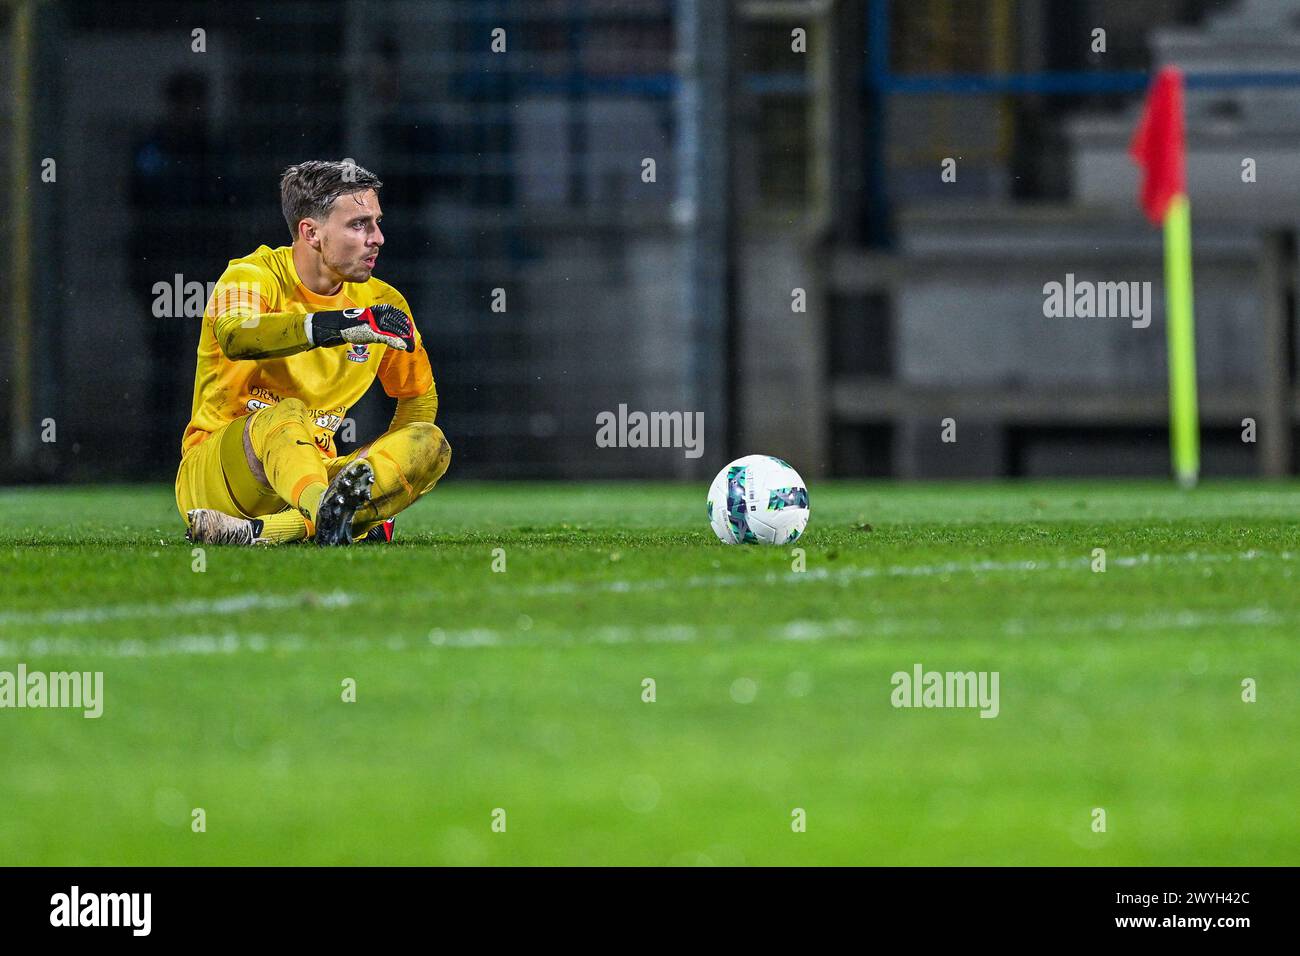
x,y
758,499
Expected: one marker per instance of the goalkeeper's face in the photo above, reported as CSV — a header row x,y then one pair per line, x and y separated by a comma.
x,y
350,238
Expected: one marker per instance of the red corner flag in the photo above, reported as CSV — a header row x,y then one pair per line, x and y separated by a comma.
x,y
1158,145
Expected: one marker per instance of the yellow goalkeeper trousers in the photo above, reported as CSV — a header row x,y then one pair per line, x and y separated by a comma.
x,y
267,465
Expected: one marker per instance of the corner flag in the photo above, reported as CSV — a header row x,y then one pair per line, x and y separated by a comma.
x,y
1159,148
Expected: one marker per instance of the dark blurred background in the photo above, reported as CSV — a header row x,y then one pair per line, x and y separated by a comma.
x,y
790,168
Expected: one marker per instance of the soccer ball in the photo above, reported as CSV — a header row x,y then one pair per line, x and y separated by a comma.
x,y
758,499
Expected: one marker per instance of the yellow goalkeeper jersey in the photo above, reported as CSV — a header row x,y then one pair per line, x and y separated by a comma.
x,y
328,380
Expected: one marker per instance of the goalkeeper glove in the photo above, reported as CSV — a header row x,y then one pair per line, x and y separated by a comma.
x,y
381,324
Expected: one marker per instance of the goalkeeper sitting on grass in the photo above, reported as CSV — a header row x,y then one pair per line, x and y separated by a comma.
x,y
292,338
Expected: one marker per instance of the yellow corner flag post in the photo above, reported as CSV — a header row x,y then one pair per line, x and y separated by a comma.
x,y
1184,416
1159,148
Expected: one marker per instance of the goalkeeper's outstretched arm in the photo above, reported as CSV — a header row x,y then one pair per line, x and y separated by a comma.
x,y
246,335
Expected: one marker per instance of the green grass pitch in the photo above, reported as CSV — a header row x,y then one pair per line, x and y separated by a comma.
x,y
522,689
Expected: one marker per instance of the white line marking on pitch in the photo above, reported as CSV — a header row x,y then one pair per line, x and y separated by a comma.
x,y
230,643
844,575
233,604
263,602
